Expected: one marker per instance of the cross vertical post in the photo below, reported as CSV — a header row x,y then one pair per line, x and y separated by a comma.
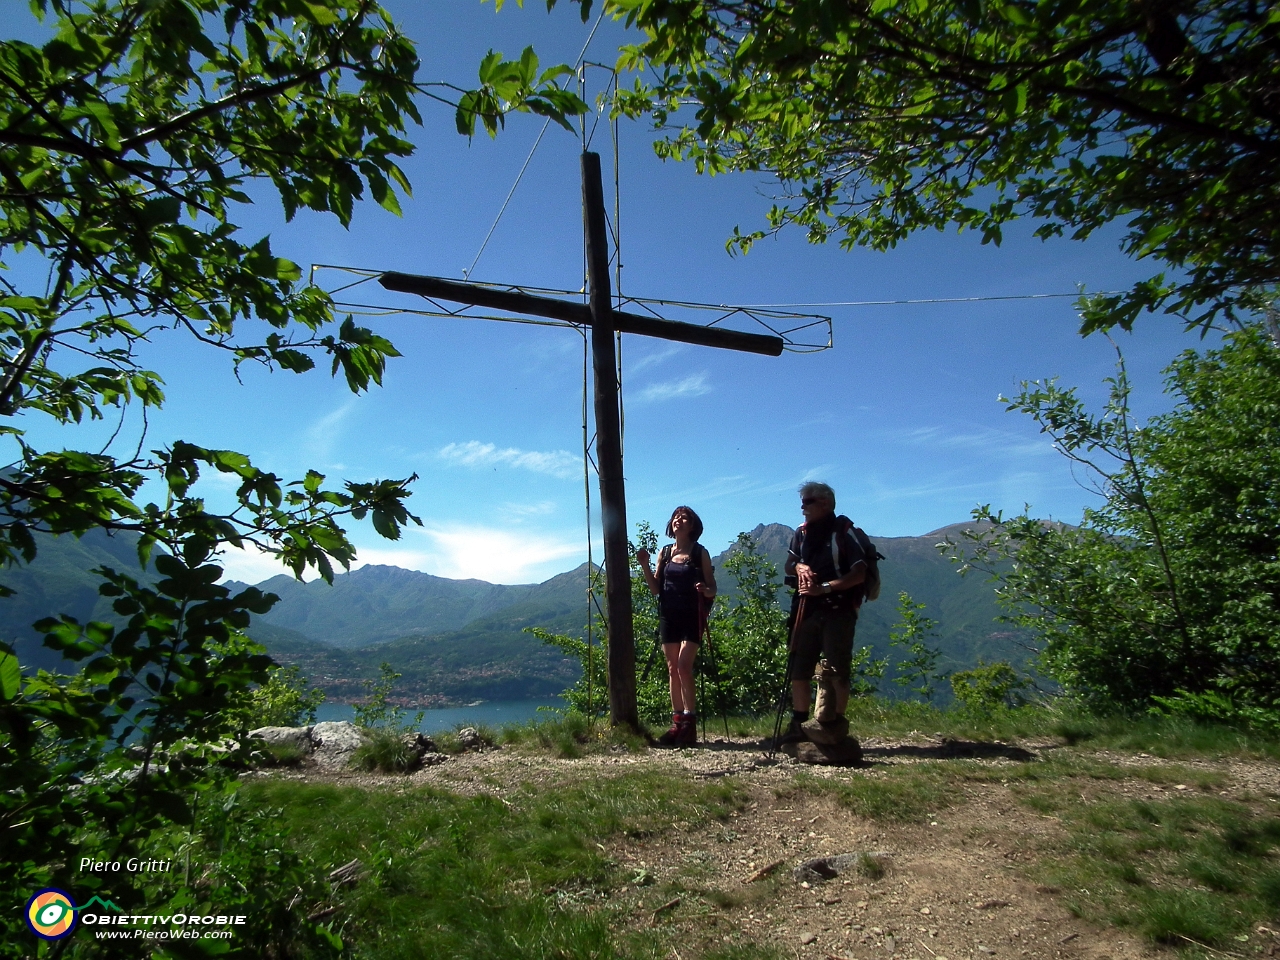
x,y
613,500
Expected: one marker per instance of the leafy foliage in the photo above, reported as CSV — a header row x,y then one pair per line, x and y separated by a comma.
x,y
749,636
130,137
914,633
988,688
888,117
378,711
128,140
1169,593
284,700
161,683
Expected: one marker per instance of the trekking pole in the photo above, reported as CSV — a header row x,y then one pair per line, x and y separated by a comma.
x,y
717,683
653,651
702,673
786,679
713,662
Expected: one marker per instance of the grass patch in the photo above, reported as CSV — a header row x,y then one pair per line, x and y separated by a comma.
x,y
282,755
907,794
570,735
1160,736
870,867
1183,870
449,742
385,750
464,877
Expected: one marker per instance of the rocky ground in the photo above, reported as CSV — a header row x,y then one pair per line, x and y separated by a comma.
x,y
965,881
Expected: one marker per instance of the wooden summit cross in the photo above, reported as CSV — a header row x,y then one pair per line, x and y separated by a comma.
x,y
603,320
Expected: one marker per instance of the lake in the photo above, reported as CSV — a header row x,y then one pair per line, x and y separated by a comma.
x,y
495,713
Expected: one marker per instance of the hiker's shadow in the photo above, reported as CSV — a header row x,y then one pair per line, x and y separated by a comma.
x,y
721,745
949,749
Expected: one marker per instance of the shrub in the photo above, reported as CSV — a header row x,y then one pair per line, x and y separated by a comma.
x,y
1167,595
989,687
387,750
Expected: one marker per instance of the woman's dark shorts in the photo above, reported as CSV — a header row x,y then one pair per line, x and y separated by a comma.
x,y
679,626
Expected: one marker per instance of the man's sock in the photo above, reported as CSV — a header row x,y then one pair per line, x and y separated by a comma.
x,y
800,716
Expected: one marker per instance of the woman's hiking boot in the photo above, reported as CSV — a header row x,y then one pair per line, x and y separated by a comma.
x,y
670,738
687,735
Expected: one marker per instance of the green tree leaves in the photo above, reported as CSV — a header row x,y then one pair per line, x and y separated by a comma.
x,y
888,117
127,143
1168,593
507,85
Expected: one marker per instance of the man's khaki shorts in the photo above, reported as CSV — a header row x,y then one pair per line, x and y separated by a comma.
x,y
824,633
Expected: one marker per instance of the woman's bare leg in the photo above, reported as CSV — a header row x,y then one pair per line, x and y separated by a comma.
x,y
684,665
673,652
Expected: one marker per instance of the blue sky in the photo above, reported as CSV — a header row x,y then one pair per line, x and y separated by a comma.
x,y
901,417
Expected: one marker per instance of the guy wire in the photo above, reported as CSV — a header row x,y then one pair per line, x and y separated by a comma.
x,y
466,274
586,487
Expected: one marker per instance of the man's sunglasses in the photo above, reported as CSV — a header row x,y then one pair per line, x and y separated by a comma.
x,y
805,501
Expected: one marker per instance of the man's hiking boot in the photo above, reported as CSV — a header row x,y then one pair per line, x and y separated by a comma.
x,y
687,735
830,733
671,737
793,734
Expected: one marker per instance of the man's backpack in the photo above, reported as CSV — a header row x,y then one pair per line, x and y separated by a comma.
x,y
870,585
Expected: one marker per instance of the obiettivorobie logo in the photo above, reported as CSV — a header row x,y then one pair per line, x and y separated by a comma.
x,y
52,915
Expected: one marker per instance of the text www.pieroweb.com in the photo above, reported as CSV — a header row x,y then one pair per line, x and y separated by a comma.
x,y
139,933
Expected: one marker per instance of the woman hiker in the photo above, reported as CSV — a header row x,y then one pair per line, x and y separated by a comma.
x,y
685,583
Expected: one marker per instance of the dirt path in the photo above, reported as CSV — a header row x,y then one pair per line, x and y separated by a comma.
x,y
963,882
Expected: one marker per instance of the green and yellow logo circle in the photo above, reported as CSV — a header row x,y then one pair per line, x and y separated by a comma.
x,y
51,914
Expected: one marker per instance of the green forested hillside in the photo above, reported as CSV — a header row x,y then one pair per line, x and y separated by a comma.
x,y
376,604
59,582
490,658
965,607
463,640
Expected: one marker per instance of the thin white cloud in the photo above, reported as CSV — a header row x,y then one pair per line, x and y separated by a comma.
x,y
483,553
518,511
653,358
473,453
324,432
694,385
985,440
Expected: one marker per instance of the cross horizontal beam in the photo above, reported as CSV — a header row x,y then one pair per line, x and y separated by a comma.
x,y
580,313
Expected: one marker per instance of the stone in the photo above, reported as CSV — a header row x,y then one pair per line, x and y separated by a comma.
x,y
433,759
890,944
846,753
294,738
808,938
334,742
822,869
420,742
469,739
419,746
829,732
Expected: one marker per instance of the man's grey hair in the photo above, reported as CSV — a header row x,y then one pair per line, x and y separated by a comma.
x,y
815,489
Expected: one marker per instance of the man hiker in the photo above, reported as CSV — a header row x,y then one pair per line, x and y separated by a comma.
x,y
827,567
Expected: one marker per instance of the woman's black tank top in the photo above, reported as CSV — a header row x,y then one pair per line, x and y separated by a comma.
x,y
679,582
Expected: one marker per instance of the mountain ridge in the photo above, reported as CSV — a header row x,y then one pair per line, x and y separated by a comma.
x,y
461,640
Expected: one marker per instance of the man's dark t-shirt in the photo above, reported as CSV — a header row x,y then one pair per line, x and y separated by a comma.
x,y
829,548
